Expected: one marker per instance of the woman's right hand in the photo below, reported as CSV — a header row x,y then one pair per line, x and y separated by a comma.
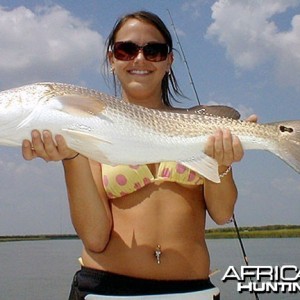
x,y
43,145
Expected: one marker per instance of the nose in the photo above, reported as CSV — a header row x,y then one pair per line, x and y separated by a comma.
x,y
140,55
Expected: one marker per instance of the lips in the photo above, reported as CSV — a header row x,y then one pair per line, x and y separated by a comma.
x,y
139,72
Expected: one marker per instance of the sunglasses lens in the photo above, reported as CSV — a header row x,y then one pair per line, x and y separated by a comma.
x,y
156,52
153,52
125,50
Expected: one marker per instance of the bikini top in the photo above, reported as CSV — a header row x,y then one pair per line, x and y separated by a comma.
x,y
123,180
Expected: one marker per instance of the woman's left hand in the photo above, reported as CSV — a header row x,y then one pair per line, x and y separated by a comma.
x,y
225,147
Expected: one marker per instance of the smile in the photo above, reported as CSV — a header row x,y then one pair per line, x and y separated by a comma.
x,y
139,72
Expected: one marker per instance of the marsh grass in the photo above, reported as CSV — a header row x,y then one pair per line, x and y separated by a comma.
x,y
269,231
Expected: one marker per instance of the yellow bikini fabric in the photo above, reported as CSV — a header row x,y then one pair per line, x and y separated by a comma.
x,y
122,180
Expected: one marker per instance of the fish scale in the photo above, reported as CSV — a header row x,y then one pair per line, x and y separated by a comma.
x,y
113,131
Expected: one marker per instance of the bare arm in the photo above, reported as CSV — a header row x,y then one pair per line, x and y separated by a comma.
x,y
89,208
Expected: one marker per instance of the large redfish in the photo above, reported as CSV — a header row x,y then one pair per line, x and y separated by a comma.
x,y
114,132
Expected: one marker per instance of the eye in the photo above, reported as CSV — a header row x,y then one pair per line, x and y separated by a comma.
x,y
286,129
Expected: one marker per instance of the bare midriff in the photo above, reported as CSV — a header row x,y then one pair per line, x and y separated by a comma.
x,y
162,214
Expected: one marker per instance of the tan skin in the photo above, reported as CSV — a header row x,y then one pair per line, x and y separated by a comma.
x,y
121,235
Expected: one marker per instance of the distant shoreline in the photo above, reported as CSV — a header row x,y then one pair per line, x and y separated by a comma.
x,y
269,231
38,237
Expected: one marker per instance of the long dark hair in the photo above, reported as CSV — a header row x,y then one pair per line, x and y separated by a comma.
x,y
169,79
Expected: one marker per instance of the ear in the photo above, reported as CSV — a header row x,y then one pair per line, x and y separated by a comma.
x,y
170,60
111,58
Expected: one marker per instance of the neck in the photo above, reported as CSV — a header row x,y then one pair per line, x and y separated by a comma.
x,y
153,101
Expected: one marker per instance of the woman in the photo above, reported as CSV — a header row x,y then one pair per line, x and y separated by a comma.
x,y
142,227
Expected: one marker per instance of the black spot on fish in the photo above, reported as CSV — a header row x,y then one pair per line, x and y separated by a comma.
x,y
283,128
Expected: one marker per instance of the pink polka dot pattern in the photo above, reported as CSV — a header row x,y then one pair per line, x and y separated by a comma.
x,y
121,179
146,181
137,186
180,168
175,172
166,172
192,176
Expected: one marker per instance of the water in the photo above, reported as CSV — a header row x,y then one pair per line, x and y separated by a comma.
x,y
37,270
43,270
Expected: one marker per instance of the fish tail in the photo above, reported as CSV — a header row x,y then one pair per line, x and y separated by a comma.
x,y
289,143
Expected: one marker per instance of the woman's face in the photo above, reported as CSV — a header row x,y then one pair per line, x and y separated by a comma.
x,y
139,77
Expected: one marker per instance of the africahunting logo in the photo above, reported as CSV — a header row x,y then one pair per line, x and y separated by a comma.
x,y
265,279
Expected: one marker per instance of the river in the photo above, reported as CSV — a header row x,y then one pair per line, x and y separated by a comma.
x,y
43,270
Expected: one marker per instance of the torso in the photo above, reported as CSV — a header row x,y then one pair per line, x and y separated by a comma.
x,y
161,213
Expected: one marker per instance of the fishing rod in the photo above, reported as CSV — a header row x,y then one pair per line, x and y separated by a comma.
x,y
184,59
233,219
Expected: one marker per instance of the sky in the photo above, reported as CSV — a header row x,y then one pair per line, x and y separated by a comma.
x,y
245,54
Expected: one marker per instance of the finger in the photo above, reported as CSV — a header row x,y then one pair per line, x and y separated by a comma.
x,y
63,148
28,151
228,154
49,145
218,147
238,149
252,118
37,143
61,144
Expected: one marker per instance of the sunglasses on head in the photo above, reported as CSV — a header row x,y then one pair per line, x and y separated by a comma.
x,y
152,51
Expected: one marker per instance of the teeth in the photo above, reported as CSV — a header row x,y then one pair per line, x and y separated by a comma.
x,y
139,72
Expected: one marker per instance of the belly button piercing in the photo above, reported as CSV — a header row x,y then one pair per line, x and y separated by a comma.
x,y
158,253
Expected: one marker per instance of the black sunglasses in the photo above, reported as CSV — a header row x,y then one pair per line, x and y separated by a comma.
x,y
152,51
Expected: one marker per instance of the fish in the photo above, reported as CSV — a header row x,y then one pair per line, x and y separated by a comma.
x,y
115,132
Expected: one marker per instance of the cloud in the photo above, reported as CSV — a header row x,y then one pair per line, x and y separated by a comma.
x,y
16,173
33,198
251,36
47,43
286,186
194,7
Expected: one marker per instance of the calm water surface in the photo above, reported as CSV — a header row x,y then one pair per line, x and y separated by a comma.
x,y
43,270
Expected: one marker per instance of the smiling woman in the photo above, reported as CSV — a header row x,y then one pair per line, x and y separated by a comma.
x,y
155,48
143,227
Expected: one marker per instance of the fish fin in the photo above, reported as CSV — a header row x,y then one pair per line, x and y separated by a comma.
x,y
80,105
205,166
289,143
31,116
87,136
93,150
216,110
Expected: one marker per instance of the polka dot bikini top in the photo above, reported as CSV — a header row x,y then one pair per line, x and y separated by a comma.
x,y
123,180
